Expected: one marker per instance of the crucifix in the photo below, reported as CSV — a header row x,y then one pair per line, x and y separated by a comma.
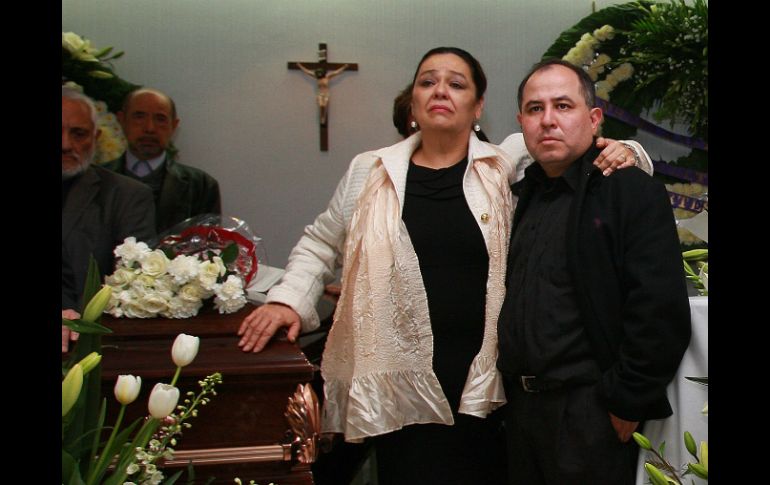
x,y
322,71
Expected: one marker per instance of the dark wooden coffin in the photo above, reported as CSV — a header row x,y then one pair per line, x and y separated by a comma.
x,y
242,432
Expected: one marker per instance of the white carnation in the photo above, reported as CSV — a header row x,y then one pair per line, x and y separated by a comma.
x,y
130,251
231,288
231,305
183,268
179,308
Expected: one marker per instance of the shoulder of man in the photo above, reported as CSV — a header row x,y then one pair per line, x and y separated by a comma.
x,y
116,165
119,182
187,171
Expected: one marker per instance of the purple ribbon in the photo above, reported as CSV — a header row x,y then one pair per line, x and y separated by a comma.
x,y
623,115
680,172
679,201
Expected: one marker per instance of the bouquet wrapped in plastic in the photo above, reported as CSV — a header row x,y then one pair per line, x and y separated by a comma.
x,y
202,257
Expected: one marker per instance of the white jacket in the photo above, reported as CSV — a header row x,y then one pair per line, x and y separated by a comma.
x,y
316,257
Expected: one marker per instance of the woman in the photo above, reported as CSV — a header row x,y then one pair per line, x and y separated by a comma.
x,y
422,228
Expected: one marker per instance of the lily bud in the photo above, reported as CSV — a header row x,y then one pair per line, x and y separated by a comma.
x,y
90,361
656,476
642,441
689,443
70,388
185,349
100,74
698,470
704,454
127,388
96,305
163,400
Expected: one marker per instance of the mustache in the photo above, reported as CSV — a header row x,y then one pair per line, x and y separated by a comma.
x,y
148,139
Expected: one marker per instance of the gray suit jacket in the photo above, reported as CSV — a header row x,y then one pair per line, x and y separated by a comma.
x,y
101,210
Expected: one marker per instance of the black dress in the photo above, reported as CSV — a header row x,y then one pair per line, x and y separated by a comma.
x,y
454,265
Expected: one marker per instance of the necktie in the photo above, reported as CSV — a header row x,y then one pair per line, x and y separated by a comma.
x,y
142,168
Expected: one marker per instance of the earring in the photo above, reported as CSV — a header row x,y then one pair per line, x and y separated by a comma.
x,y
476,126
413,124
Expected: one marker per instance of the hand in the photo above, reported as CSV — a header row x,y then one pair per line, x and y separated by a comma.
x,y
332,292
623,428
614,155
68,334
261,324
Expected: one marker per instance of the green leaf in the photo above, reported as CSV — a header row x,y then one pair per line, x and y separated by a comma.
x,y
103,52
699,380
173,478
69,469
85,413
99,425
83,326
229,254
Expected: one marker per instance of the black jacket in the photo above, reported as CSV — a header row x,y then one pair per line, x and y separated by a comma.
x,y
187,191
626,265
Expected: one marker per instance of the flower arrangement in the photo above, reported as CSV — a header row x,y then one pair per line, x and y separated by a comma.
x,y
699,279
147,283
584,55
654,59
661,472
664,44
128,457
92,69
669,48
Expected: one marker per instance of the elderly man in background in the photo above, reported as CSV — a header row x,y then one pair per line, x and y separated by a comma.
x,y
149,121
99,208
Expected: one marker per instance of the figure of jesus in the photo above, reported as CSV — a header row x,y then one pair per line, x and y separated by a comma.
x,y
322,78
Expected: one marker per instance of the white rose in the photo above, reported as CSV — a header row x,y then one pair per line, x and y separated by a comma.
x,y
191,292
134,309
210,271
153,303
142,283
121,277
71,41
154,263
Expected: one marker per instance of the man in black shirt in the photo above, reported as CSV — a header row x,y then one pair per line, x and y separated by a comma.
x,y
596,317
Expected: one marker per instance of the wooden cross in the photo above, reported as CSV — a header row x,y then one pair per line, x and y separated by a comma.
x,y
322,71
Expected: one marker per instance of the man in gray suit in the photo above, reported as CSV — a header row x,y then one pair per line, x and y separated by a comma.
x,y
99,208
149,120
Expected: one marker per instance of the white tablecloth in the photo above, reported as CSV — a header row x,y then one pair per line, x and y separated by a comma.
x,y
687,399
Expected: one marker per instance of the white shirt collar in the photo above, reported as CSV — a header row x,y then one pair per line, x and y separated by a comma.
x,y
132,160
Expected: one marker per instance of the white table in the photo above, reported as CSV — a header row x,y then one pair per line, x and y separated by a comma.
x,y
687,399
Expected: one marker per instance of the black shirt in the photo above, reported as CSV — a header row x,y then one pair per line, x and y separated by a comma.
x,y
540,328
454,265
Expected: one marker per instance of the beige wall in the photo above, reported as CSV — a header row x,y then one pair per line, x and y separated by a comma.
x,y
252,123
